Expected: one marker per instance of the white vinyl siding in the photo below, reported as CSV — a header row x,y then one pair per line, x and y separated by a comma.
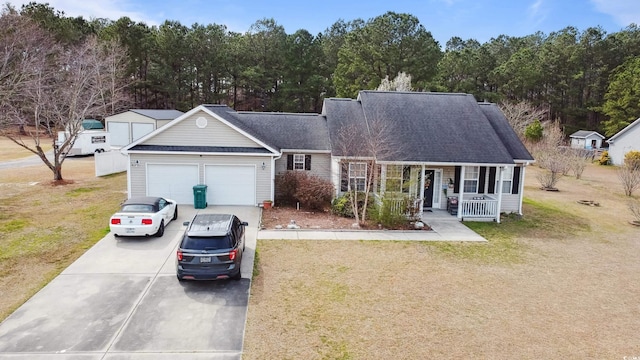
x,y
320,165
186,132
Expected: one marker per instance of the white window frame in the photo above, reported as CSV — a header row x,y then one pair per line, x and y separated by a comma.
x,y
298,161
357,176
471,179
507,180
396,173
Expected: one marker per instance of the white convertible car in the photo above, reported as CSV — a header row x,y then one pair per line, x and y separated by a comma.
x,y
143,216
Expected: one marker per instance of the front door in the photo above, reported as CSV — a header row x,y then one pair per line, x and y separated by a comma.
x,y
428,189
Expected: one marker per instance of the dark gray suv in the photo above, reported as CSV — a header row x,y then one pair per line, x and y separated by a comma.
x,y
211,248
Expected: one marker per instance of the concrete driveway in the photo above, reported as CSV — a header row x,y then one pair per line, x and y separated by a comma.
x,y
121,300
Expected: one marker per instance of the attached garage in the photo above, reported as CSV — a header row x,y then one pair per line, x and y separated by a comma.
x,y
231,184
173,181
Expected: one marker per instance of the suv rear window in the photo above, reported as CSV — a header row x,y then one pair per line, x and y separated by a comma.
x,y
206,243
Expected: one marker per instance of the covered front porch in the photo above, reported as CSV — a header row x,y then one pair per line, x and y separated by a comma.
x,y
472,193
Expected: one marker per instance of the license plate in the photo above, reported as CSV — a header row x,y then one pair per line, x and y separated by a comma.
x,y
205,259
130,230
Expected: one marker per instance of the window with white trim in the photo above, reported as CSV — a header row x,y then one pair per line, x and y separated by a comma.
x,y
357,176
507,180
471,175
397,178
298,161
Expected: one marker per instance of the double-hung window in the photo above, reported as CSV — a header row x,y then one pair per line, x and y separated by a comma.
x,y
507,180
357,176
397,178
471,175
298,161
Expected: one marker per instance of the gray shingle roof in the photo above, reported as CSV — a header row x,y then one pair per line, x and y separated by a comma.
x,y
505,132
426,127
158,114
279,130
198,149
584,134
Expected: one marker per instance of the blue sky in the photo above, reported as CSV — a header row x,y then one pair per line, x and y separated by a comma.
x,y
477,19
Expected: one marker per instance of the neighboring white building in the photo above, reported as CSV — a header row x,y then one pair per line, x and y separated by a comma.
x,y
131,125
585,139
624,141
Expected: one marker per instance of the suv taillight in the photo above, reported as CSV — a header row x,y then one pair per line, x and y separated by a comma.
x,y
179,254
147,221
232,254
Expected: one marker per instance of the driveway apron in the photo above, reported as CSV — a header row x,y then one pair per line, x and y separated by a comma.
x,y
121,300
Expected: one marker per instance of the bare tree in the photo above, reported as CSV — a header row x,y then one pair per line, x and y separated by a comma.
x,y
521,114
629,177
550,157
578,160
365,144
402,82
48,88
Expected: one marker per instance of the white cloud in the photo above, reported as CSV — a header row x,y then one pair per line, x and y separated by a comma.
x,y
88,9
537,12
624,12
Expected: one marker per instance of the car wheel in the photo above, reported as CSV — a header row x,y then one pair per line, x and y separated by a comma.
x,y
238,276
175,214
161,229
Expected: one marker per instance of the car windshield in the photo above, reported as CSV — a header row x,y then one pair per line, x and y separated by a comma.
x,y
206,243
137,208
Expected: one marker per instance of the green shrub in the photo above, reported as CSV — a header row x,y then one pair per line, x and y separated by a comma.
x,y
534,131
391,212
342,205
632,159
605,159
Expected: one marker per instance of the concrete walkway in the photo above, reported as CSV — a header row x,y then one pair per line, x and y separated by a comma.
x,y
442,229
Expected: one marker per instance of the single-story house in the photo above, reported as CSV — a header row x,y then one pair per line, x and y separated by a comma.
x,y
443,146
624,141
585,139
133,124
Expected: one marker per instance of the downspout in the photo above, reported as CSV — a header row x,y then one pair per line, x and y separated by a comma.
x,y
461,193
499,194
273,177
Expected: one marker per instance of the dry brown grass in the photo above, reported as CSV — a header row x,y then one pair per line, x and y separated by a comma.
x,y
12,151
44,228
571,291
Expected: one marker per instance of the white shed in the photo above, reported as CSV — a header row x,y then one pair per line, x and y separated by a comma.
x,y
131,125
624,141
585,139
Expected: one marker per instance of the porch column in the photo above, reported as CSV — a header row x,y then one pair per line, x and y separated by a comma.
x,y
521,190
461,192
421,189
500,170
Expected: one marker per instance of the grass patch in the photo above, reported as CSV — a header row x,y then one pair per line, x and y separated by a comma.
x,y
47,227
80,191
542,221
13,225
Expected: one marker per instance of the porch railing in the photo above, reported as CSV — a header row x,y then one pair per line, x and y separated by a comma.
x,y
407,205
479,207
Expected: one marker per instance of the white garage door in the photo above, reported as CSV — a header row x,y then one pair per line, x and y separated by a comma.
x,y
119,133
172,181
230,185
139,130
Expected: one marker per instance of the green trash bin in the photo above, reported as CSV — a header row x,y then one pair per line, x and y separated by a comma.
x,y
200,196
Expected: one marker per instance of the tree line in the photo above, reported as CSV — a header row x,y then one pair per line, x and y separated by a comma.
x,y
585,79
